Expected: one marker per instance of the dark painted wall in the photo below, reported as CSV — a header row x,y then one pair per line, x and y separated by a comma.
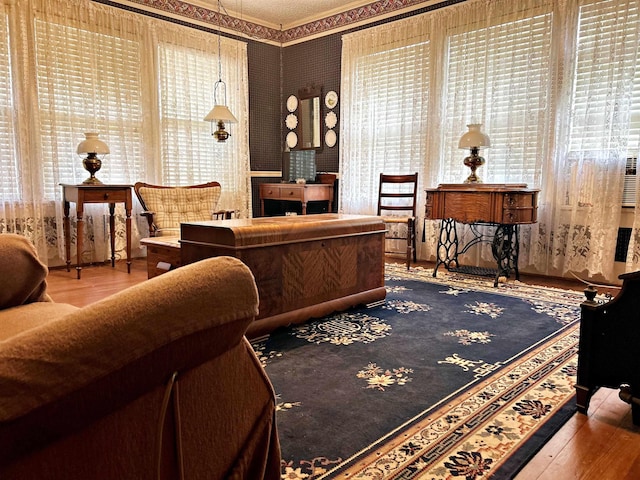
x,y
264,105
315,62
312,62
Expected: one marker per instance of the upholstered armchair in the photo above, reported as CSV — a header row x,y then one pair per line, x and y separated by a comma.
x,y
165,207
156,382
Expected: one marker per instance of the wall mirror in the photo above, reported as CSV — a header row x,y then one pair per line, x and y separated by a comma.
x,y
310,118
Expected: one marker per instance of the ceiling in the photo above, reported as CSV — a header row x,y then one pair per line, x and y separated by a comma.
x,y
287,14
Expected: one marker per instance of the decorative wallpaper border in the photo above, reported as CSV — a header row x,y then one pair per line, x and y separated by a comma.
x,y
366,13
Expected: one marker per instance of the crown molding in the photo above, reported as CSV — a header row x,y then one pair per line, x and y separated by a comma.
x,y
351,18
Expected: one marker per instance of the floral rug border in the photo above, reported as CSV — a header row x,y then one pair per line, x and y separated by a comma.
x,y
513,288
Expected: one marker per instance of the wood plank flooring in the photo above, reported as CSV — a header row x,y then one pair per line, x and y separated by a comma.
x,y
605,445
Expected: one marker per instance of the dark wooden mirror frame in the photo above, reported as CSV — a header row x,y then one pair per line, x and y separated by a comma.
x,y
310,97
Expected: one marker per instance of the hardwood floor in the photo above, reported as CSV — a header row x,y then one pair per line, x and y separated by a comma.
x,y
605,445
96,282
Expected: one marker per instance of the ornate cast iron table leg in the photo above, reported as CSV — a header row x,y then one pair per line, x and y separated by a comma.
x,y
505,249
447,251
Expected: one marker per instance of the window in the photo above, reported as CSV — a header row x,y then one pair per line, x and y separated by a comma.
x,y
9,184
185,99
385,97
501,72
392,96
607,54
88,81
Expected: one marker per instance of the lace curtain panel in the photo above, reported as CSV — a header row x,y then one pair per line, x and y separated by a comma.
x,y
556,86
145,85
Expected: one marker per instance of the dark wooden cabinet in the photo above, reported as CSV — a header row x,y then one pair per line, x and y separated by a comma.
x,y
608,350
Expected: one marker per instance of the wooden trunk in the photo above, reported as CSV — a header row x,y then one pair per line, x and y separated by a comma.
x,y
305,267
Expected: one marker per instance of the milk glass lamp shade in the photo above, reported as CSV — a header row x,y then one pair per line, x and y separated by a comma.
x,y
473,140
93,147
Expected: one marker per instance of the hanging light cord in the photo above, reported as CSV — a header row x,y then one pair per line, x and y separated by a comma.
x,y
219,43
215,88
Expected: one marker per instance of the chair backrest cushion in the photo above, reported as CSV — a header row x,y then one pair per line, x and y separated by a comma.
x,y
171,206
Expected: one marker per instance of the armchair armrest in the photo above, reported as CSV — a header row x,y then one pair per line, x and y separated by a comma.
x,y
152,227
65,374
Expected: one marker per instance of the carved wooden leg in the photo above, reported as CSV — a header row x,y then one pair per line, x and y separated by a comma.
x,y
583,397
80,237
112,233
410,242
66,226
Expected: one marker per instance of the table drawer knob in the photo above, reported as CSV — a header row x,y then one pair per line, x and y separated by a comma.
x,y
106,196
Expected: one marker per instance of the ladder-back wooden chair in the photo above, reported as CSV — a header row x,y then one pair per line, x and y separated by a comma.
x,y
397,196
166,207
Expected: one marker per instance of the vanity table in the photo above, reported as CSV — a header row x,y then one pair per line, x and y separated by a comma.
x,y
297,192
504,206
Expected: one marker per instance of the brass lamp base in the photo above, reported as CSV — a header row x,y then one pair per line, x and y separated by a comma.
x,y
221,134
92,164
473,161
92,181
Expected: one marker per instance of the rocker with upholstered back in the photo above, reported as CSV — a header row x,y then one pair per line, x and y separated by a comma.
x,y
165,207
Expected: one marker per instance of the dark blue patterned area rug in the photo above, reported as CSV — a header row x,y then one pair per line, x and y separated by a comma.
x,y
449,378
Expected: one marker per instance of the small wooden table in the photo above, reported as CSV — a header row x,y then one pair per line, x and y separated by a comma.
x,y
504,206
83,193
296,192
163,254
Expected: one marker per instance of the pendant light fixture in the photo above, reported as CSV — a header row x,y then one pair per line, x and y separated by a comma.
x,y
220,113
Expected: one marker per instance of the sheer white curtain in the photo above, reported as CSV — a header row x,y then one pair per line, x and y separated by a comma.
x,y
498,75
583,197
188,66
74,66
385,96
87,72
552,84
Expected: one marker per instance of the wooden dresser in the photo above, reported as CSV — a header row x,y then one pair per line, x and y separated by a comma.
x,y
296,192
504,206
